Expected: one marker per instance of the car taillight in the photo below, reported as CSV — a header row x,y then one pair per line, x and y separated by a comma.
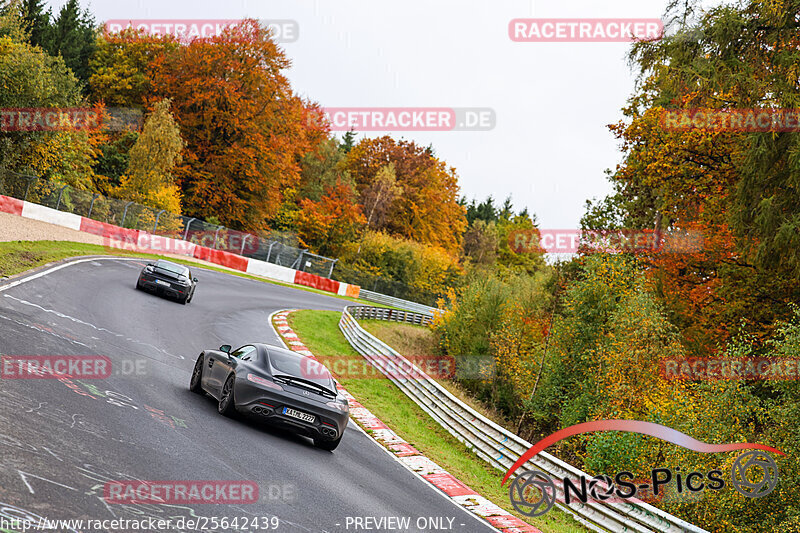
x,y
265,382
340,406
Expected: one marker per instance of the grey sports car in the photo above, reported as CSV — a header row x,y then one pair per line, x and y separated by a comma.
x,y
168,278
276,385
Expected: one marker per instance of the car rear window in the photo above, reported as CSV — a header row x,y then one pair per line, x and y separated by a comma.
x,y
172,267
291,365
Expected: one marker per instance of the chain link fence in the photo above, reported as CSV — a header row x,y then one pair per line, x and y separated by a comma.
x,y
281,250
385,286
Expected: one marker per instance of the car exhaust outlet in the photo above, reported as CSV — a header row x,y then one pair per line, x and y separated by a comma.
x,y
257,410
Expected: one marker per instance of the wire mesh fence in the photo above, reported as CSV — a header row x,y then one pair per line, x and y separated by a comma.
x,y
385,286
281,250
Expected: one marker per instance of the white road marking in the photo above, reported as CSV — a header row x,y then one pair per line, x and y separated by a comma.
x,y
25,480
97,328
48,271
30,326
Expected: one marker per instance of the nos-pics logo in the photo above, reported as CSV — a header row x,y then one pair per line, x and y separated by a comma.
x,y
753,474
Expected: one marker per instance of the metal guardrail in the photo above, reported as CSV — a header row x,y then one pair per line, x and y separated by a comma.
x,y
392,315
500,448
396,302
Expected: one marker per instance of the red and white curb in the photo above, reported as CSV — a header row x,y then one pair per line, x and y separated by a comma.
x,y
409,456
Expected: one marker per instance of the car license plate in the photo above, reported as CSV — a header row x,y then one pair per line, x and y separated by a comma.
x,y
305,417
164,283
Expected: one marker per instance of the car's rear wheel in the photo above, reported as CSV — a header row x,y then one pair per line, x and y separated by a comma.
x,y
329,445
184,300
197,377
227,404
138,284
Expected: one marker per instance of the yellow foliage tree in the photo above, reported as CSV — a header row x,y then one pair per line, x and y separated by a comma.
x,y
149,179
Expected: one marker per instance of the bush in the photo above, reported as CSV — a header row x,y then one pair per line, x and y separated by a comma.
x,y
427,271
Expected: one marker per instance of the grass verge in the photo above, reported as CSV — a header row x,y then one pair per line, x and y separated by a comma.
x,y
19,256
319,331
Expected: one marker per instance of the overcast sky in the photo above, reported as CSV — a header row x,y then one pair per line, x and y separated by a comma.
x,y
553,101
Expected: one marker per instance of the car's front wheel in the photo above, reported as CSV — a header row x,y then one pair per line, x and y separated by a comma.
x,y
197,376
329,445
227,405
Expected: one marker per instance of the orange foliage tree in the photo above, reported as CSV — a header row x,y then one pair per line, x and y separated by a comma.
x,y
244,127
329,225
427,209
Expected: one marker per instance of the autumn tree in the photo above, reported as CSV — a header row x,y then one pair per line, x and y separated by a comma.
x,y
320,169
480,243
426,271
428,210
121,67
330,225
245,129
378,197
149,179
733,188
29,77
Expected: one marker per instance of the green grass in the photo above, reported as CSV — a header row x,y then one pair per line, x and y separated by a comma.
x,y
320,332
19,256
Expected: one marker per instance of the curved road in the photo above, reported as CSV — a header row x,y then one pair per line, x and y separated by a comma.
x,y
60,441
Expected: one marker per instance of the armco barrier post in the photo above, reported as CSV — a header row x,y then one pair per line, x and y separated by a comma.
x,y
91,205
215,236
60,194
28,186
186,233
125,214
158,215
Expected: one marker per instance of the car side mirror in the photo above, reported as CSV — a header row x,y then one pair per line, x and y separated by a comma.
x,y
225,348
151,264
194,279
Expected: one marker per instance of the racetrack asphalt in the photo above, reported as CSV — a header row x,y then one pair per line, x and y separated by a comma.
x,y
61,440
